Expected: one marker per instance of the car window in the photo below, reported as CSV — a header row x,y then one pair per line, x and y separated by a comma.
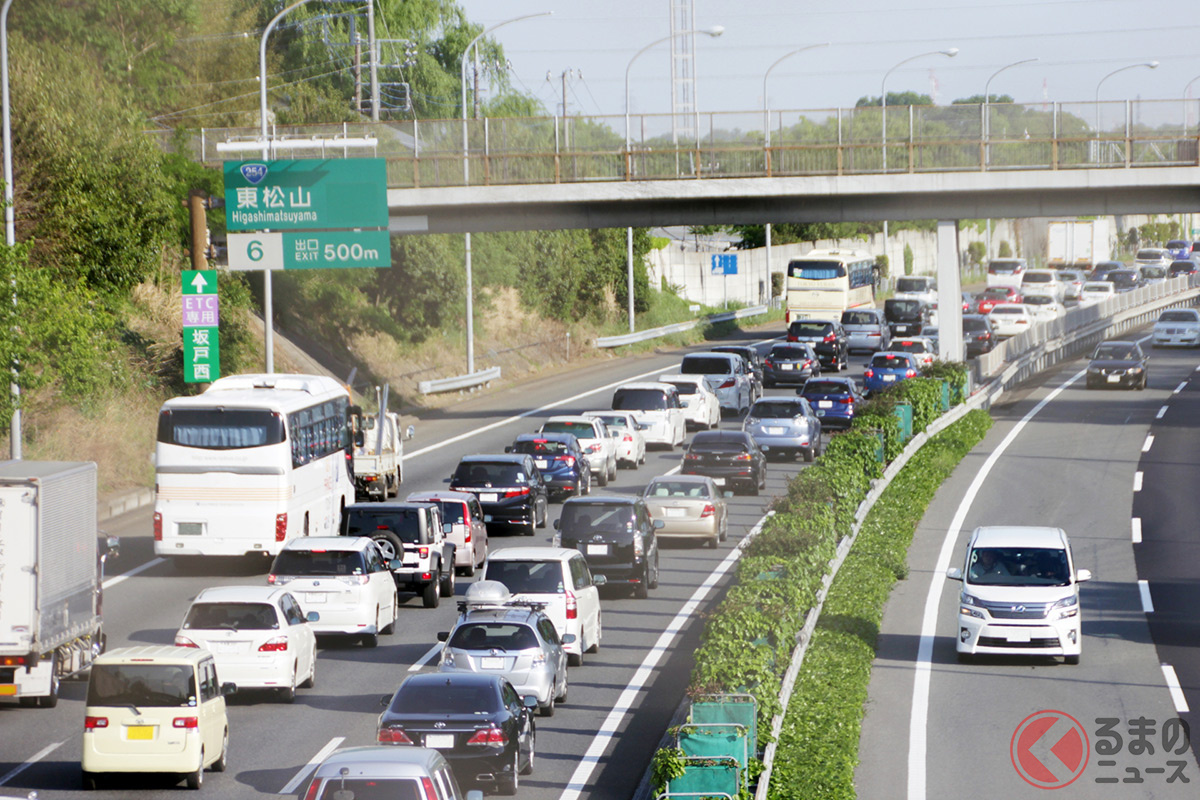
x,y
529,577
162,685
404,522
717,446
493,635
547,630
581,576
685,387
291,610
320,562
583,517
445,697
476,509
706,365
859,318
486,474
208,681
373,788
640,400
582,430
889,361
776,409
826,387
234,616
509,695
810,328
911,285
534,447
788,352
665,487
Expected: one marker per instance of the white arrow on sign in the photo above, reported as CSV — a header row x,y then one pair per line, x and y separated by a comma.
x,y
199,283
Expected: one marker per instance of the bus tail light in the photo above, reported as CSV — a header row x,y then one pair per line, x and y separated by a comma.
x,y
281,527
157,526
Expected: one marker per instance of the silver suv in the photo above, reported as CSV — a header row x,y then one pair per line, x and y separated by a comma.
x,y
866,329
413,541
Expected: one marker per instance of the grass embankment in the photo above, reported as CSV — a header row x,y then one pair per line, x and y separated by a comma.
x,y
818,746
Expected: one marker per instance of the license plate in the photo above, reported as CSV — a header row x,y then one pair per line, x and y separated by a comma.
x,y
676,512
314,597
488,497
887,378
140,732
1114,378
8,690
1017,636
541,463
719,481
787,366
597,549
491,662
190,529
440,741
774,431
226,647
824,404
901,328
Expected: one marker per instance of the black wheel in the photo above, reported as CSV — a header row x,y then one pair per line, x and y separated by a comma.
x,y
575,659
753,487
810,454
548,709
389,545
603,479
1073,660
546,511
561,697
447,582
1142,385
965,658
196,779
1090,384
469,569
711,544
51,700
529,764
654,580
309,683
429,595
287,694
724,533
90,781
595,646
390,628
642,590
220,764
612,476
768,384
507,784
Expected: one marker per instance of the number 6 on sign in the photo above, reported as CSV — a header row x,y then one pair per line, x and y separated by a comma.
x,y
255,251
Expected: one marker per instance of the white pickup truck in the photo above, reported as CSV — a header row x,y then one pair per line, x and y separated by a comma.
x,y
379,456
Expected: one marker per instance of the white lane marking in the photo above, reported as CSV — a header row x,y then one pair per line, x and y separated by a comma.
x,y
673,470
1181,705
124,576
1137,481
628,699
1161,412
1146,445
533,412
312,764
919,718
29,762
1144,591
1136,525
1180,388
433,651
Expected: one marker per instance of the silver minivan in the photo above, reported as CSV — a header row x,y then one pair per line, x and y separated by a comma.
x,y
385,771
866,329
726,374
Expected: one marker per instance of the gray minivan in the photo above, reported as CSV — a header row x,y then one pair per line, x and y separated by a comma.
x,y
866,329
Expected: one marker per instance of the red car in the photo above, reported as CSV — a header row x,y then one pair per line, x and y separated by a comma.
x,y
994,295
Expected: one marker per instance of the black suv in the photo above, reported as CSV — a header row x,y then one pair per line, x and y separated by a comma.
x,y
730,458
828,339
753,359
978,336
510,489
616,536
906,316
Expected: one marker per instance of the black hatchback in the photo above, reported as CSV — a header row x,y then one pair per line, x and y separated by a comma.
x,y
828,339
906,316
560,459
730,458
478,722
616,536
510,489
790,363
978,336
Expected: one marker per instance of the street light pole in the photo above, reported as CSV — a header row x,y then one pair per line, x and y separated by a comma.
x,y
714,32
1186,110
985,130
949,53
470,288
10,234
1149,64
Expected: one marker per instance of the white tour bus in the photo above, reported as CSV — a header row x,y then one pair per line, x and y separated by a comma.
x,y
252,462
824,283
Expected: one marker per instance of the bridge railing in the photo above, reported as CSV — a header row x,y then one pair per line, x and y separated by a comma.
x,y
918,139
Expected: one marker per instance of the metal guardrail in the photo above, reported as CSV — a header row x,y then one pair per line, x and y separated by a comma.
x,y
678,327
459,381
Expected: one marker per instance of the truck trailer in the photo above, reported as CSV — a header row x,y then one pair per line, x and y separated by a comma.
x,y
1078,243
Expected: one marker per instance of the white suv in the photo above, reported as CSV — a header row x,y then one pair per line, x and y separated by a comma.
x,y
560,578
595,440
346,578
1020,594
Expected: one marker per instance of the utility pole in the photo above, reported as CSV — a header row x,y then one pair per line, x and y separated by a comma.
x,y
354,37
199,220
372,47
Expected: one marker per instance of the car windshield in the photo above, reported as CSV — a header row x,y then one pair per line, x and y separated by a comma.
x,y
1003,267
1037,277
537,447
383,788
889,361
485,474
1178,316
776,409
527,577
915,346
911,285
685,387
581,430
1018,566
319,562
669,488
494,635
1039,300
445,697
1154,272
785,353
142,685
234,616
1114,352
639,400
826,387
581,518
810,328
859,318
404,522
706,365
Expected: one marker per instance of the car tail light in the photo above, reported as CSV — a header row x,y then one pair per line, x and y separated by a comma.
x,y
355,580
910,373
594,447
569,460
185,722
768,362
392,736
524,490
692,457
625,438
157,526
808,362
281,527
846,400
491,735
792,338
572,606
183,641
427,789
422,552
709,510
370,478
829,338
870,373
728,384
742,457
313,789
91,723
276,645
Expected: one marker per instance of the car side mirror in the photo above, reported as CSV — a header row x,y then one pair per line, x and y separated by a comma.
x,y
568,638
112,546
954,574
360,438
1083,575
556,523
599,580
312,616
659,524
508,448
410,431
385,700
530,701
228,689
443,636
395,563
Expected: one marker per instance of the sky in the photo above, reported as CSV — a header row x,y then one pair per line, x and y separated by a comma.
x,y
1077,43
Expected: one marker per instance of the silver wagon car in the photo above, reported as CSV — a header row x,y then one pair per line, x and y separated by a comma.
x,y
867,329
785,425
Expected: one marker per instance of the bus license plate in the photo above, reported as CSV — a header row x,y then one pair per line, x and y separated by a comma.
x,y
190,528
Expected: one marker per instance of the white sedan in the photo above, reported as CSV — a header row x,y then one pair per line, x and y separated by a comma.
x,y
631,444
1009,319
701,406
1094,292
1177,326
1043,307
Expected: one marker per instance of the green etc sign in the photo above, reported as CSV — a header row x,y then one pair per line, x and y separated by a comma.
x,y
307,214
201,317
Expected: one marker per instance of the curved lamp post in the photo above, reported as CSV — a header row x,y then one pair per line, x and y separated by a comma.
x,y
1147,64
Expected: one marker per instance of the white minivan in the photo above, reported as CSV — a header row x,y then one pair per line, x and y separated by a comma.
x,y
657,408
560,578
1020,594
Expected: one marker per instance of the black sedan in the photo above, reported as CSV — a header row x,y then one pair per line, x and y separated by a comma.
x,y
828,338
1119,365
559,458
730,458
510,489
477,722
790,363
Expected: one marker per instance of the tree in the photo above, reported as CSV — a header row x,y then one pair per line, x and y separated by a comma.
x,y
908,259
1005,249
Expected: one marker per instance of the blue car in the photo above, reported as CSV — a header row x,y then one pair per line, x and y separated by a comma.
x,y
887,369
1179,248
561,461
833,400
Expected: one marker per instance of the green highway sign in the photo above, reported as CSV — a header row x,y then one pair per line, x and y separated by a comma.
x,y
201,355
309,250
306,193
199,281
201,321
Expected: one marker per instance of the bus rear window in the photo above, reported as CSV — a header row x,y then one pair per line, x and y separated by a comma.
x,y
816,270
220,428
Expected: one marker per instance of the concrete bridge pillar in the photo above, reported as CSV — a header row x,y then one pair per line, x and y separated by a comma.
x,y
949,292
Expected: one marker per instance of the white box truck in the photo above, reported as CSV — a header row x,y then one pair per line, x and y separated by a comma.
x,y
1078,243
51,573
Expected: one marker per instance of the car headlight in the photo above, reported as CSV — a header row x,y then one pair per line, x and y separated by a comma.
x,y
1134,370
1093,369
1067,607
967,606
751,421
447,658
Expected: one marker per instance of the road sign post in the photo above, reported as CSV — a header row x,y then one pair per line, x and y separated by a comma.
x,y
725,264
201,321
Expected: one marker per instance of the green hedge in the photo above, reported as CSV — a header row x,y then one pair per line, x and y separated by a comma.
x,y
818,749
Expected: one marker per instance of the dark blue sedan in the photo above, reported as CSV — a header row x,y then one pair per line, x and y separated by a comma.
x,y
888,369
833,400
560,459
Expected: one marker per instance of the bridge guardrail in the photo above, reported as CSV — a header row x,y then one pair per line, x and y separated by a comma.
x,y
678,327
459,381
